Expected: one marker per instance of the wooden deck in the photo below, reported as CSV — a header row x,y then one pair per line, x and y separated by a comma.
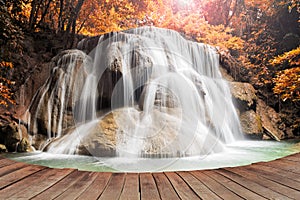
x,y
279,179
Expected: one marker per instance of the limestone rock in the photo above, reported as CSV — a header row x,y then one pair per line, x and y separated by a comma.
x,y
256,117
101,140
266,137
14,137
226,75
251,124
39,141
52,98
271,121
88,44
3,148
23,145
10,136
244,95
163,98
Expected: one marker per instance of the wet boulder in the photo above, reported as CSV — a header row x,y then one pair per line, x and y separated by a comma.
x,y
3,148
14,137
101,141
251,124
271,122
244,96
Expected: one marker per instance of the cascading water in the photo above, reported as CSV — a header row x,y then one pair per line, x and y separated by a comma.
x,y
163,96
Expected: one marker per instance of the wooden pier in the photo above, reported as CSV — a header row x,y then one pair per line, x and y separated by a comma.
x,y
279,179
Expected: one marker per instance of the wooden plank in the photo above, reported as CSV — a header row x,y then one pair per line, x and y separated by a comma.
x,y
131,187
4,162
78,187
272,168
259,185
198,187
38,182
287,165
213,185
11,168
276,177
181,187
294,157
233,186
279,179
274,165
114,187
23,184
280,165
95,189
148,187
249,184
18,175
1,157
61,186
165,188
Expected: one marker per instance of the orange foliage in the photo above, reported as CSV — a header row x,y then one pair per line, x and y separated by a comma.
x,y
190,21
5,92
110,15
113,15
287,84
291,58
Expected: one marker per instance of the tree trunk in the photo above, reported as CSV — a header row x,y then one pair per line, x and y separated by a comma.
x,y
32,13
44,13
60,26
74,16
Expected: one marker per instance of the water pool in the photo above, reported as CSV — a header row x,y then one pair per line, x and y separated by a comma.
x,y
236,154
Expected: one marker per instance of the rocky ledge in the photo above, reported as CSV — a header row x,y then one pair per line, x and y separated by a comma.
x,y
258,120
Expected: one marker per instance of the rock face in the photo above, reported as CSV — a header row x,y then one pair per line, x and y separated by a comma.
x,y
258,120
3,148
163,98
271,121
112,134
101,140
251,124
244,95
56,98
14,137
245,101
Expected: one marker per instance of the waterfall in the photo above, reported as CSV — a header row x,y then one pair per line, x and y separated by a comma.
x,y
164,96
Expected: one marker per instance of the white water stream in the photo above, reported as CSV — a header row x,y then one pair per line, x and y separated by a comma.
x,y
171,99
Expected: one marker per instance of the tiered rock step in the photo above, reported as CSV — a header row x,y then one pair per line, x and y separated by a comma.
x,y
279,179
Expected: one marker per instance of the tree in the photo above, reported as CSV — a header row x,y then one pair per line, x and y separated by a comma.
x,y
287,81
111,15
6,96
190,20
10,42
218,12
